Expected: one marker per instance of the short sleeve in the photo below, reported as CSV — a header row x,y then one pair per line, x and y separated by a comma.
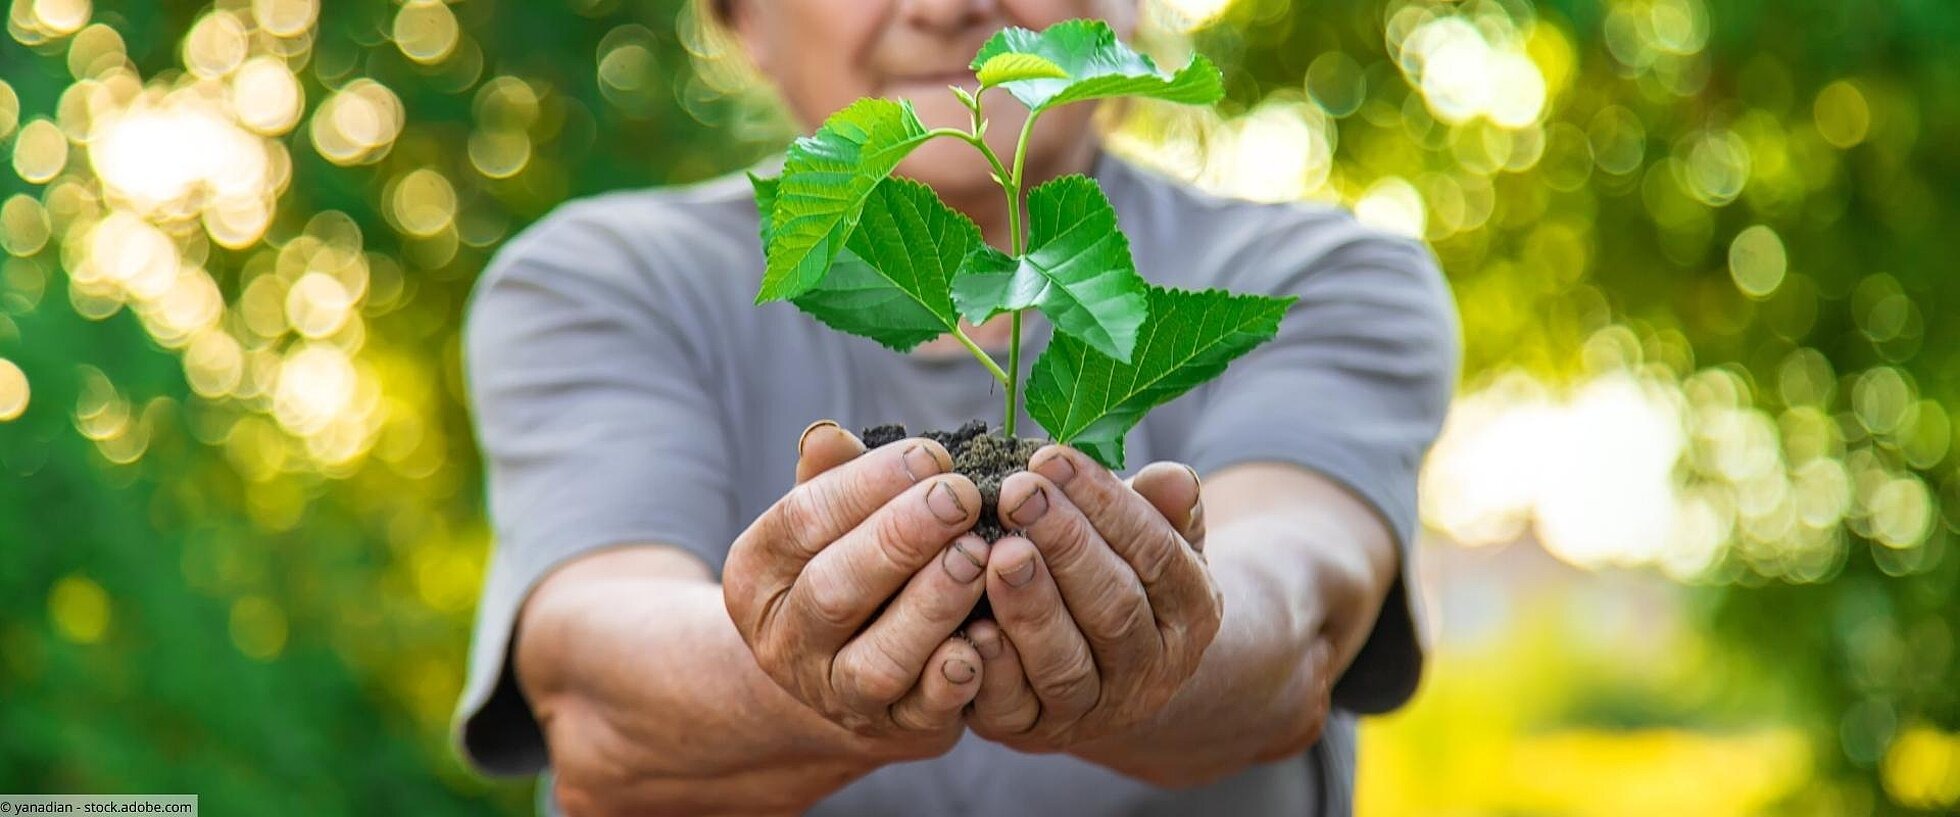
x,y
589,390
1354,387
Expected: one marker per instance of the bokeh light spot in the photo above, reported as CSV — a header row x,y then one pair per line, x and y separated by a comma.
x,y
1678,26
506,103
1190,15
1619,141
1921,770
426,31
1279,151
1716,167
285,18
1336,83
316,385
266,96
59,18
317,306
423,203
1842,114
1757,261
40,151
129,255
1466,69
626,68
1901,512
1823,493
1393,204
1880,397
14,392
1806,378
213,364
24,227
216,45
79,608
358,124
96,51
629,73
9,109
499,154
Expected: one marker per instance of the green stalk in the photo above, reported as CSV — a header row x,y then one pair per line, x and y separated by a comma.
x,y
986,360
1000,171
1013,375
1020,246
1010,184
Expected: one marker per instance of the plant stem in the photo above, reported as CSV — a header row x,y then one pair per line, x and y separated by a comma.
x,y
1010,184
956,133
1000,171
1013,377
1020,246
986,360
1021,148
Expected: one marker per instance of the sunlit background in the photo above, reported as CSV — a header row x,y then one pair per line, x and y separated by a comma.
x,y
1690,528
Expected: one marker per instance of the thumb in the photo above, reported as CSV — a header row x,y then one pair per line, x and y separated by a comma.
x,y
823,446
1174,490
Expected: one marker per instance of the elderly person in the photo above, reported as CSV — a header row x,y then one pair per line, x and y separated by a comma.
x,y
641,420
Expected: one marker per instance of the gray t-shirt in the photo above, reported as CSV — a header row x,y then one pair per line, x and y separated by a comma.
x,y
626,389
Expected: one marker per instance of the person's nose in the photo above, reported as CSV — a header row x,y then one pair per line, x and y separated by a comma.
x,y
946,15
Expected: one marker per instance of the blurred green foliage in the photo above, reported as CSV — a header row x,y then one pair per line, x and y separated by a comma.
x,y
240,509
1843,116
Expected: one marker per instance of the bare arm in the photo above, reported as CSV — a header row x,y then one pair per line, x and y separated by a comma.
x,y
629,660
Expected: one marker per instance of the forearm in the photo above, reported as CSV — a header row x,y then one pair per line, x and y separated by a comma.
x,y
1303,580
629,664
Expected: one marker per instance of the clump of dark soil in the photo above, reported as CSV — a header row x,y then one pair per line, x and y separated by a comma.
x,y
985,458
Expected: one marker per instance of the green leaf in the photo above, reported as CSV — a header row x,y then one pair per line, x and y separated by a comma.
x,y
826,178
1012,67
765,204
1077,270
1090,401
1095,65
965,97
891,282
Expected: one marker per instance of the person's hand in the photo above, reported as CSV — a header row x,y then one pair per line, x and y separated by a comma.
x,y
1104,608
850,588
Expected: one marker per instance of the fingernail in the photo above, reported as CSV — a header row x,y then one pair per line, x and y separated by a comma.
x,y
1197,498
1031,508
1057,469
989,647
920,463
957,671
963,564
807,430
1019,574
944,503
